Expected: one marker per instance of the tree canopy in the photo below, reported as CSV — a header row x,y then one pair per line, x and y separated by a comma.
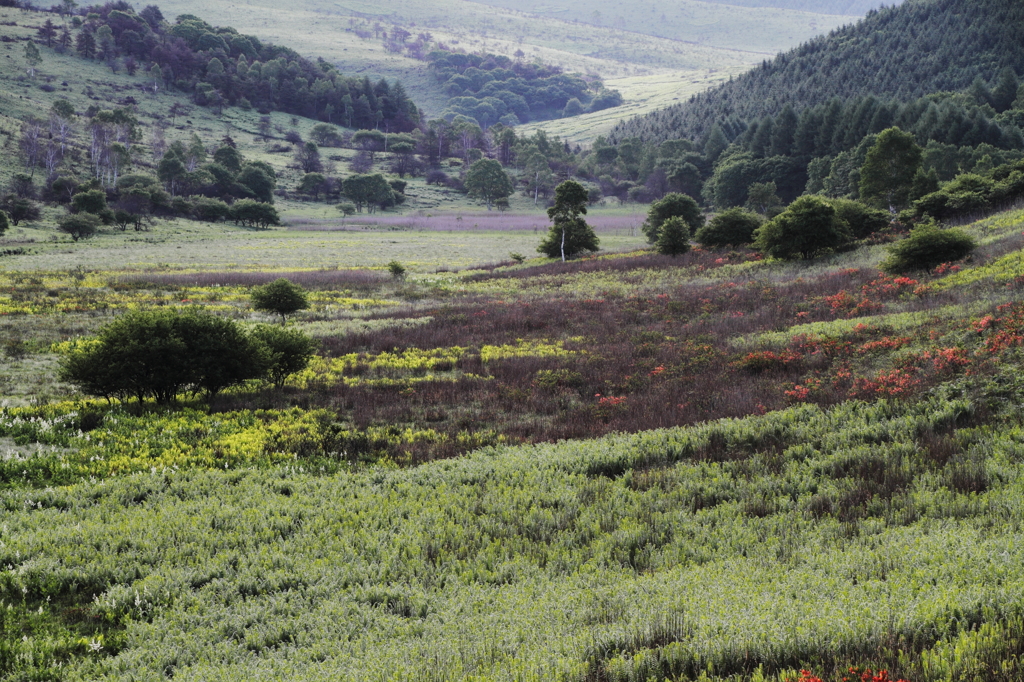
x,y
488,180
889,170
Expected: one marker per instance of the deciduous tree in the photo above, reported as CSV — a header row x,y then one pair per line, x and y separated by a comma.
x,y
488,180
887,175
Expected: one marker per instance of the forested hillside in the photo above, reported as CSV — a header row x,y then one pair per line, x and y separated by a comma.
x,y
918,48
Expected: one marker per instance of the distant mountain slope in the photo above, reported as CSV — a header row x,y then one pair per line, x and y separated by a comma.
x,y
761,26
920,47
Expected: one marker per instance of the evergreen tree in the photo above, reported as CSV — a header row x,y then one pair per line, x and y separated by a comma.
x,y
674,237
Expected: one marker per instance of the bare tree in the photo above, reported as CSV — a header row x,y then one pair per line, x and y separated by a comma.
x,y
61,130
52,157
32,144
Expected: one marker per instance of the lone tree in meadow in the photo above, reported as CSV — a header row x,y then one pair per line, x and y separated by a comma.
x,y
672,205
79,225
32,57
489,181
808,228
887,176
570,234
280,297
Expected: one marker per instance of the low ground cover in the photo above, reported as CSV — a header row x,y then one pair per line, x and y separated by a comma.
x,y
624,467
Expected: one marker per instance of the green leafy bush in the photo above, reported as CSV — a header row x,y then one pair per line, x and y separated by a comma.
x,y
808,228
861,219
669,206
674,237
161,353
927,247
729,228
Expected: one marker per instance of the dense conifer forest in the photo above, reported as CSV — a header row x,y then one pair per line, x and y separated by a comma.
x,y
901,53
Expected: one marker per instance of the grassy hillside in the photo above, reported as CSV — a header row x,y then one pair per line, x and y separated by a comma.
x,y
915,49
754,28
502,468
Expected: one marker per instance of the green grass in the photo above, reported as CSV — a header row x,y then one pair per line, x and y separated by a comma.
x,y
290,540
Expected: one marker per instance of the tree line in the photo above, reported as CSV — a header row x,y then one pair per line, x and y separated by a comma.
x,y
219,66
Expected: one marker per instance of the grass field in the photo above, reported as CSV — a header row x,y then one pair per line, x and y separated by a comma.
x,y
628,467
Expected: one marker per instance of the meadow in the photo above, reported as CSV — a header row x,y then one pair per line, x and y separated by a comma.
x,y
626,467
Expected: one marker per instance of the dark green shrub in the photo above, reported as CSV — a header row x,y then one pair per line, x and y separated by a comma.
x,y
288,351
729,228
162,353
807,228
673,237
669,206
927,247
210,210
79,225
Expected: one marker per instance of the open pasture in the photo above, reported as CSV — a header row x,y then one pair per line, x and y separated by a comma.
x,y
626,467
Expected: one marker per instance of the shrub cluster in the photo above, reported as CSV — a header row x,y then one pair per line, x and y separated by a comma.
x,y
972,193
928,246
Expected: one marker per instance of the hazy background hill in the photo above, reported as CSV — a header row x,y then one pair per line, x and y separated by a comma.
x,y
655,57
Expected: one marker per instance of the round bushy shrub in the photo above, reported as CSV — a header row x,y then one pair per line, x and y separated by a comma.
x,y
862,220
729,228
808,228
927,247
